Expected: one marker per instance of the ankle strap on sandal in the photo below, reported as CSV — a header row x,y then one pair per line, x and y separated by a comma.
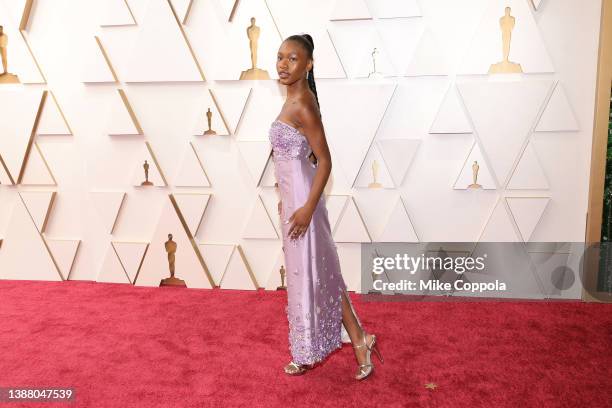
x,y
365,342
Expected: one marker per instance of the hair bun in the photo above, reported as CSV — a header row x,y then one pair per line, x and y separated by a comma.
x,y
308,37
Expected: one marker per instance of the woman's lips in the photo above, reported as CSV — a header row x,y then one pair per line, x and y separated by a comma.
x,y
283,75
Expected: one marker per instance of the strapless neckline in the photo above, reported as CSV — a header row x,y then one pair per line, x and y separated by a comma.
x,y
289,126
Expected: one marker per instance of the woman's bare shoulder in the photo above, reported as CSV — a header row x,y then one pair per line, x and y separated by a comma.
x,y
307,112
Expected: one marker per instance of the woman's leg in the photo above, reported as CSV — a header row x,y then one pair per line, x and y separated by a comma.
x,y
353,329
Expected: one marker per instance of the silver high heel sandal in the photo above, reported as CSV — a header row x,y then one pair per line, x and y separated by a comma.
x,y
297,369
367,368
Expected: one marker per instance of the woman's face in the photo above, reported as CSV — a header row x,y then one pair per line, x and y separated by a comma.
x,y
292,62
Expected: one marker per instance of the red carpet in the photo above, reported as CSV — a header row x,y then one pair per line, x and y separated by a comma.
x,y
124,346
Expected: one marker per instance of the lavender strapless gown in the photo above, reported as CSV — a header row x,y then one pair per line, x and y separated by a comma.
x,y
314,280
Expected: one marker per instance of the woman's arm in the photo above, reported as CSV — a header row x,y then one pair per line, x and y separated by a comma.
x,y
312,128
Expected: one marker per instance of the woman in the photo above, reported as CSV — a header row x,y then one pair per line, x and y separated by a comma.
x,y
318,303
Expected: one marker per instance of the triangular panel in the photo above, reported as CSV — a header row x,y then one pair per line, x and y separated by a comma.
x,y
402,39
108,205
161,52
23,106
182,9
359,63
37,171
52,120
255,155
536,4
97,67
558,115
116,13
131,256
191,171
528,173
259,224
527,212
238,274
39,204
268,179
451,116
63,253
192,206
350,10
121,117
351,227
430,57
112,271
503,130
4,177
232,102
394,8
499,226
335,205
23,243
399,228
398,154
367,102
217,257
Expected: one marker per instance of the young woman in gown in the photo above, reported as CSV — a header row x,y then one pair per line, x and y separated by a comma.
x,y
318,306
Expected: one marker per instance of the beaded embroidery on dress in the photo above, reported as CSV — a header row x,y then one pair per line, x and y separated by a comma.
x,y
314,279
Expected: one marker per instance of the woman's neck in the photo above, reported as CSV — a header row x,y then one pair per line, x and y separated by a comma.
x,y
297,89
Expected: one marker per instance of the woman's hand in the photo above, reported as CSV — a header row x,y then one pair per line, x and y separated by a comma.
x,y
301,219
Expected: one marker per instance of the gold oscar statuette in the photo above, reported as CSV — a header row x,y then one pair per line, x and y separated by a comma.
x,y
374,73
475,168
209,118
283,273
5,76
171,250
254,72
374,184
506,24
145,166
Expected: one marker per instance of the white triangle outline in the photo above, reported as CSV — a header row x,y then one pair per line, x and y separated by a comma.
x,y
529,229
529,153
557,106
462,128
399,202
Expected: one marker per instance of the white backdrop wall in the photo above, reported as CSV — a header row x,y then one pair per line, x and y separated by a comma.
x,y
132,80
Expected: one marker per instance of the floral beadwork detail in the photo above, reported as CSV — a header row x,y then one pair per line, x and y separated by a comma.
x,y
309,342
287,142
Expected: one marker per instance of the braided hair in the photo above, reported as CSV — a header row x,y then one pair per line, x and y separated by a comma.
x,y
305,40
